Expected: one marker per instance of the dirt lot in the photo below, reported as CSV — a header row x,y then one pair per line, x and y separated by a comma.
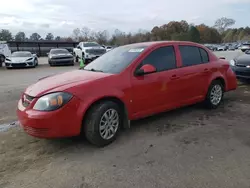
x,y
189,147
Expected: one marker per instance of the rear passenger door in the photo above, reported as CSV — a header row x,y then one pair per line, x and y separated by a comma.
x,y
194,72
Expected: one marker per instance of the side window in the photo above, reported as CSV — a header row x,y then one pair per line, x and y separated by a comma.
x,y
204,55
190,55
162,58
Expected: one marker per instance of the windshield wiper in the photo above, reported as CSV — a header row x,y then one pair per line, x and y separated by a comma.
x,y
93,70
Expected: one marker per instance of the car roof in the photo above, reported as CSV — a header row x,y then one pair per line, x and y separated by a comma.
x,y
155,43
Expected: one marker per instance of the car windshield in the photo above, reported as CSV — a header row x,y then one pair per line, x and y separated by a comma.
x,y
2,46
116,60
90,44
59,51
21,54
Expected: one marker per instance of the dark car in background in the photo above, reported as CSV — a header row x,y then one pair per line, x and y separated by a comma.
x,y
210,47
241,65
60,56
232,47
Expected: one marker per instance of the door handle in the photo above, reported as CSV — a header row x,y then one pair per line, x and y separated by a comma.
x,y
174,77
206,70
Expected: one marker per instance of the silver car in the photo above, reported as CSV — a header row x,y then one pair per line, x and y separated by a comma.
x,y
245,47
21,59
221,48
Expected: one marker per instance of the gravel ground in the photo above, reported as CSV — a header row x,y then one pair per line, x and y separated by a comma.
x,y
189,147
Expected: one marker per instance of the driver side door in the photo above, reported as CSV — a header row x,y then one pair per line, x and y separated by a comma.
x,y
149,92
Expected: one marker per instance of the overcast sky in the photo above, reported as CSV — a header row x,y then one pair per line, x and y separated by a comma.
x,y
61,16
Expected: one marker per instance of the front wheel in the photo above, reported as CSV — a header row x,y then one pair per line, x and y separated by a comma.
x,y
102,123
2,59
36,62
214,95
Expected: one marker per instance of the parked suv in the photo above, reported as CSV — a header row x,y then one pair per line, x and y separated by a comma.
x,y
89,51
4,52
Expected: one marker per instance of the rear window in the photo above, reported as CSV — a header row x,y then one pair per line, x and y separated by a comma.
x,y
204,55
190,55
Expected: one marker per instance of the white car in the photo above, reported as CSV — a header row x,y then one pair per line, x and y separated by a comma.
x,y
21,59
89,51
108,48
245,47
4,52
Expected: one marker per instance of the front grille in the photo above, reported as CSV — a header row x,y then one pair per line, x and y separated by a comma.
x,y
26,100
97,52
36,131
240,65
238,73
18,64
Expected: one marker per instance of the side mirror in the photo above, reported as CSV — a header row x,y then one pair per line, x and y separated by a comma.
x,y
47,54
145,69
222,58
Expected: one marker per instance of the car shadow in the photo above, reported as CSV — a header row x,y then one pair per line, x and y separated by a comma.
x,y
155,124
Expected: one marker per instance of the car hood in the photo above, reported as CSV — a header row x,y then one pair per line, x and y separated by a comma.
x,y
243,59
19,59
62,81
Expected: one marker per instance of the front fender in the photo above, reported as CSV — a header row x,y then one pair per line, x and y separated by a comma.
x,y
90,98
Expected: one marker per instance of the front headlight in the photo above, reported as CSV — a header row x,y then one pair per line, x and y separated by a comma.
x,y
232,62
87,51
7,60
52,101
30,59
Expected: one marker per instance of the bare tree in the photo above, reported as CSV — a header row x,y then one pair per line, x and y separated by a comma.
x,y
76,34
223,23
49,36
85,33
102,37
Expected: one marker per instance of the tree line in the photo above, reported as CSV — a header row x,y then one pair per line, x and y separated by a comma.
x,y
174,30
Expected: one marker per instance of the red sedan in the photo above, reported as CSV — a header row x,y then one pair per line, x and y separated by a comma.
x,y
127,83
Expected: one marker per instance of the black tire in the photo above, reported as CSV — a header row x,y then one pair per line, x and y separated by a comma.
x,y
208,101
2,59
91,127
50,64
36,62
77,59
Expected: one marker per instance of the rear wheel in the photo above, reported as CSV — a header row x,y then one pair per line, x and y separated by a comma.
x,y
102,123
215,94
